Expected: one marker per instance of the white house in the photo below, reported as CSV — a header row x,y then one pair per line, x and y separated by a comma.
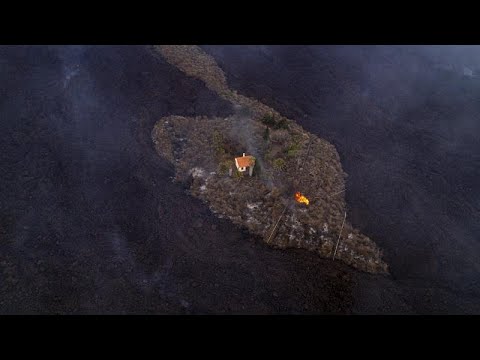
x,y
244,162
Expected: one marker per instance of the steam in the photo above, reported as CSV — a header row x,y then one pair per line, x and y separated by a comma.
x,y
70,72
243,131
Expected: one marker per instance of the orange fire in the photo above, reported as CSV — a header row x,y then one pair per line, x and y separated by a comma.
x,y
300,198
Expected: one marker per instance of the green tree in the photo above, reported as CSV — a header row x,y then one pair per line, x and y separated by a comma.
x,y
269,120
281,124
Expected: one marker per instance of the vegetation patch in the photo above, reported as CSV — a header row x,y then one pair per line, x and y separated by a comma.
x,y
203,151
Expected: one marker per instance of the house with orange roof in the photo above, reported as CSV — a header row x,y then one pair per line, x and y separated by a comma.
x,y
244,162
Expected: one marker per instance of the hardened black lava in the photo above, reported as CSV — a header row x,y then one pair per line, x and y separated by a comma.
x,y
404,120
90,220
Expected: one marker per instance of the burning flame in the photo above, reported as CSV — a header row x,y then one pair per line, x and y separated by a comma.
x,y
300,198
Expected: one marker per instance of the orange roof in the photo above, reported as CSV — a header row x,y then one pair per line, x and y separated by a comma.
x,y
244,161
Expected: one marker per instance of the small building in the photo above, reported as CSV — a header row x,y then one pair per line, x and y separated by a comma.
x,y
244,162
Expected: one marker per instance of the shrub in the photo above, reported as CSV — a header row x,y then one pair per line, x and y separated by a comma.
x,y
224,166
279,164
280,136
237,174
292,153
218,142
217,137
269,120
281,124
292,149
